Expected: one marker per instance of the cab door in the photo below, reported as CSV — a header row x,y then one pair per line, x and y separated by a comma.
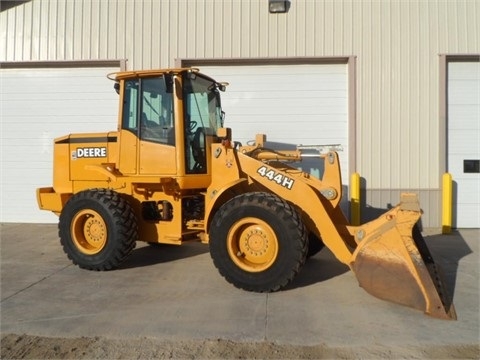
x,y
157,129
148,128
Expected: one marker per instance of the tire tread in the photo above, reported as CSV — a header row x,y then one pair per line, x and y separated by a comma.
x,y
125,232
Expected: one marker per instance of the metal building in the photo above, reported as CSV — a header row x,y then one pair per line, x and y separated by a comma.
x,y
396,83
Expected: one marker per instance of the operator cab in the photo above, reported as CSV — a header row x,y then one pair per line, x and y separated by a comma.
x,y
169,118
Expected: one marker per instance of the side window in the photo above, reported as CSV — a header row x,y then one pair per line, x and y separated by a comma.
x,y
130,106
148,110
197,115
156,118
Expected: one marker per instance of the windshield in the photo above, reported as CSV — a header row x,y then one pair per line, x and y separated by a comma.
x,y
202,103
203,117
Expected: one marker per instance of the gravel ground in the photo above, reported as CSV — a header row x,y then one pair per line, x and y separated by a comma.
x,y
34,347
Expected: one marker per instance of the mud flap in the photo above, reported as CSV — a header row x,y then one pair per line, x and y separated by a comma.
x,y
392,262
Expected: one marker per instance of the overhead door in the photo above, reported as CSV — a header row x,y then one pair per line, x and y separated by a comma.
x,y
293,104
464,141
37,105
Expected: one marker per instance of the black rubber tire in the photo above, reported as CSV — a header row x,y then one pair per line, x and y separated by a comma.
x,y
106,217
289,236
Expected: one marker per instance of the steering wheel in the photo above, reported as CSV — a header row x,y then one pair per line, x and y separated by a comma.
x,y
190,125
198,149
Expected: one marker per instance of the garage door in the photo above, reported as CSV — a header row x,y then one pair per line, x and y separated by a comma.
x,y
292,104
464,141
38,105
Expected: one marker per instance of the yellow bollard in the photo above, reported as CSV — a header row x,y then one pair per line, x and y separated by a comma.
x,y
447,191
355,199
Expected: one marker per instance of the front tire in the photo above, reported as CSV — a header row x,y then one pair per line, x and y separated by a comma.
x,y
315,245
258,242
97,229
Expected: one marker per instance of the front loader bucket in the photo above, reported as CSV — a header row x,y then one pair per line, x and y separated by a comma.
x,y
392,262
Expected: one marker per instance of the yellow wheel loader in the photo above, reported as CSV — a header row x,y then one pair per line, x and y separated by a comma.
x,y
173,173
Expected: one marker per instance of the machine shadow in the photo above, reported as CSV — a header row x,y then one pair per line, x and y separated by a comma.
x,y
148,255
447,250
320,267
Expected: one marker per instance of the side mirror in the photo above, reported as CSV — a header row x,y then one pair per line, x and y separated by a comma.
x,y
116,86
222,86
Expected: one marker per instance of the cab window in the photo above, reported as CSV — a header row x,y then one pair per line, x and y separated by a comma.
x,y
203,117
148,110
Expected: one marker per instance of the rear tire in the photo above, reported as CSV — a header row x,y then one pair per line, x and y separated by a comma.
x,y
258,242
97,229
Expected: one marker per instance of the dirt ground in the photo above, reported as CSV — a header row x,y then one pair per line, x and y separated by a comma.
x,y
34,347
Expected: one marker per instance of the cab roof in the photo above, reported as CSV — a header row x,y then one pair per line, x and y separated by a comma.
x,y
116,76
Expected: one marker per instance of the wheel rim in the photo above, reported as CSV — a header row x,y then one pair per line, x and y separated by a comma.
x,y
252,244
89,232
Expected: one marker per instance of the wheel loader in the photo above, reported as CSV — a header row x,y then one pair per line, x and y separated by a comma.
x,y
172,173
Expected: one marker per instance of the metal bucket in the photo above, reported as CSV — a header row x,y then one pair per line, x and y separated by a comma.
x,y
393,262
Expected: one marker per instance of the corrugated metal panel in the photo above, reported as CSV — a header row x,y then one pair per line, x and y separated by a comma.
x,y
374,203
397,44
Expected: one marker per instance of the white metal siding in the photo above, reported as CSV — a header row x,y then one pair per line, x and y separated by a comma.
x,y
38,105
464,140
